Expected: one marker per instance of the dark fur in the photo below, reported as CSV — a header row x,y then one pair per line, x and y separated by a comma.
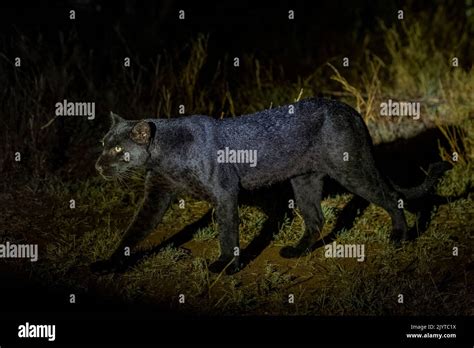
x,y
180,155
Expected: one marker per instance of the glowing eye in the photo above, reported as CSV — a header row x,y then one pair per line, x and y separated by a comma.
x,y
102,142
118,148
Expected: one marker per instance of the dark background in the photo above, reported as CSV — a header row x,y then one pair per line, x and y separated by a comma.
x,y
321,29
82,60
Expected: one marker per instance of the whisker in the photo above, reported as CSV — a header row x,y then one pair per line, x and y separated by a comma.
x,y
123,182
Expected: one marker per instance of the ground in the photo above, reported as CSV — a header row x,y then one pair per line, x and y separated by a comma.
x,y
431,279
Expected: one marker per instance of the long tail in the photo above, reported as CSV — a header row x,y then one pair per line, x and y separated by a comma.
x,y
435,171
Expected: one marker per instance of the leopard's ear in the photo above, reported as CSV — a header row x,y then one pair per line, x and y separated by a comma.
x,y
141,133
115,118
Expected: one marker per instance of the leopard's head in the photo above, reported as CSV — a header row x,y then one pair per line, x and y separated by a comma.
x,y
125,147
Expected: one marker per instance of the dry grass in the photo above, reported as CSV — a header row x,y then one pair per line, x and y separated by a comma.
x,y
432,280
418,68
